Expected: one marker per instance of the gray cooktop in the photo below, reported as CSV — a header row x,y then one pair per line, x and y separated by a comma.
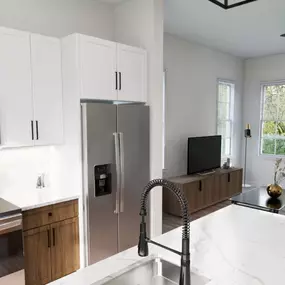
x,y
8,209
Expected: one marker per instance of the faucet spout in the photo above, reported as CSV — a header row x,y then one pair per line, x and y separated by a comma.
x,y
144,240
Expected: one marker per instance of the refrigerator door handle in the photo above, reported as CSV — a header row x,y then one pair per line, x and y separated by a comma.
x,y
122,166
118,173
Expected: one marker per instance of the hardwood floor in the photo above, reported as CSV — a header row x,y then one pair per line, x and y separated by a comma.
x,y
171,222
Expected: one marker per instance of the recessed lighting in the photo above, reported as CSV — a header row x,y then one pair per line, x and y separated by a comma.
x,y
283,35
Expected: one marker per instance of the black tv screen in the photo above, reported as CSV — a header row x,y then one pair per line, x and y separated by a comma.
x,y
204,154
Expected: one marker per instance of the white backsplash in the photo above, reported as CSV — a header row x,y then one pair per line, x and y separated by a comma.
x,y
20,167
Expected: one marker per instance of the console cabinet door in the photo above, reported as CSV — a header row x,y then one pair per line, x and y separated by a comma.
x,y
235,181
65,248
37,256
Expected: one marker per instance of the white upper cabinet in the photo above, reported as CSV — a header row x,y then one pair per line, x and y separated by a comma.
x,y
16,104
105,70
30,89
47,90
131,65
98,68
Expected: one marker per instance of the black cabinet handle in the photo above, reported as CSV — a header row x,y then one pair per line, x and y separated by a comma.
x,y
200,185
48,234
116,75
53,236
229,177
120,81
37,129
32,128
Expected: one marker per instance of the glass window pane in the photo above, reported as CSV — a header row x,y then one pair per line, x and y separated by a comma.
x,y
281,112
223,111
280,147
268,146
227,146
223,147
269,128
281,128
224,93
270,103
224,129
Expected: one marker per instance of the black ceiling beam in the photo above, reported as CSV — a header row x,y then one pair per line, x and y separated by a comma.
x,y
226,6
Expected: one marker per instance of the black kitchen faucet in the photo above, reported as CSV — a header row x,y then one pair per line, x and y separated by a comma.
x,y
144,240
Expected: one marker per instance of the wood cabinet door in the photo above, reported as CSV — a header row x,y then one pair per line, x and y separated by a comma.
x,y
235,182
208,190
37,256
193,196
98,69
224,186
47,90
65,248
131,65
15,88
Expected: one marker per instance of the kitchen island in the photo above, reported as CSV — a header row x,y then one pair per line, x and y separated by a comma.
x,y
233,246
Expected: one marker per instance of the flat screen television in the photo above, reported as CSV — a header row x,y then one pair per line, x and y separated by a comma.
x,y
204,154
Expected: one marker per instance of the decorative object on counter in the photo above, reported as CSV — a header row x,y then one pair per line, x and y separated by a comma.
x,y
227,164
275,190
247,135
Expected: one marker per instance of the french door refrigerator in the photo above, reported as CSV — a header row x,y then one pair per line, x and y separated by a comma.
x,y
115,145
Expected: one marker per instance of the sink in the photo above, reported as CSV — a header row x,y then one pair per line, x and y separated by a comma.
x,y
154,271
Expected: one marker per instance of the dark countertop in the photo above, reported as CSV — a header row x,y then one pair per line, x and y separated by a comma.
x,y
8,209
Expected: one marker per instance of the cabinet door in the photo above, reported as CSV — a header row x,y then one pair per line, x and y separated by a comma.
x,y
47,90
132,73
37,257
192,193
15,88
208,189
235,182
65,248
98,68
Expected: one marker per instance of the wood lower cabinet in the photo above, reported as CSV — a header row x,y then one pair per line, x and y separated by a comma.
x,y
37,256
203,191
51,250
65,248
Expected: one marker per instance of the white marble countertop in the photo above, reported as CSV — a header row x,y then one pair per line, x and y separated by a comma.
x,y
233,246
37,198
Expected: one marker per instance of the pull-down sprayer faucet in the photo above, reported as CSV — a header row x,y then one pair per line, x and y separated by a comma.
x,y
144,240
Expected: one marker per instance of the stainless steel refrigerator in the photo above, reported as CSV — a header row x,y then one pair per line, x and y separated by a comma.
x,y
115,145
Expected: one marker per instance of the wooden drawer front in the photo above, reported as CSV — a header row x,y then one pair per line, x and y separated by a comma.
x,y
37,218
49,214
64,211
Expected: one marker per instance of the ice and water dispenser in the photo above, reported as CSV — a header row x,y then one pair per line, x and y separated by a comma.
x,y
103,179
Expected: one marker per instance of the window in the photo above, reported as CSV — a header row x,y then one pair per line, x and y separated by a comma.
x,y
225,109
272,137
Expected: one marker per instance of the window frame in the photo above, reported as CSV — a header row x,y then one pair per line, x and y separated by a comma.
x,y
263,84
232,85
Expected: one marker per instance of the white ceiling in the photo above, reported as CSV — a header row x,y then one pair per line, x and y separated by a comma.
x,y
247,31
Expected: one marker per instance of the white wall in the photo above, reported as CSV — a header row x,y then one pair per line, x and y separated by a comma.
x,y
140,23
259,168
192,71
58,17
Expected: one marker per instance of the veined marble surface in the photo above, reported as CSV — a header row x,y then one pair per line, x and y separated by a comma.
x,y
233,246
38,198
